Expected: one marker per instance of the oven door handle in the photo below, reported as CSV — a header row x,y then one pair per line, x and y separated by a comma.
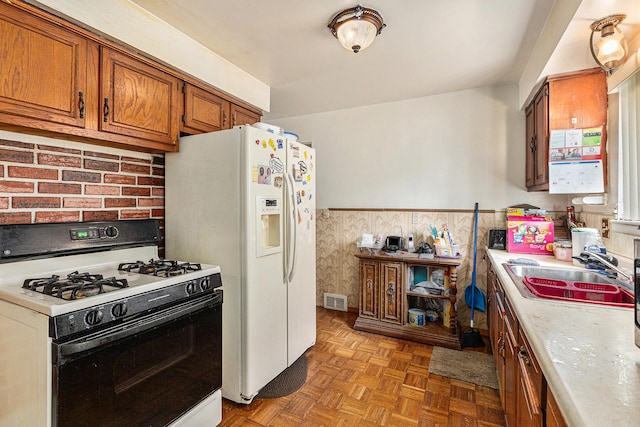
x,y
133,327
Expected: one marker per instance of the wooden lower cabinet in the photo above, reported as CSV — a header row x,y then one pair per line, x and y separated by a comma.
x,y
526,398
554,417
530,386
386,297
509,387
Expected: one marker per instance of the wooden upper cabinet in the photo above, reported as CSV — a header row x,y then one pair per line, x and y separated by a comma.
x,y
204,111
57,79
138,100
242,116
43,71
565,101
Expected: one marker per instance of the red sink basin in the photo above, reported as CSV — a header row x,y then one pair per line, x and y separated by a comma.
x,y
592,293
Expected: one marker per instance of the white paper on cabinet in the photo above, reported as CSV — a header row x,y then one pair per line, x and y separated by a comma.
x,y
576,177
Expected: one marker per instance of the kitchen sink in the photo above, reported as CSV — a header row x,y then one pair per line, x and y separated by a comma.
x,y
570,284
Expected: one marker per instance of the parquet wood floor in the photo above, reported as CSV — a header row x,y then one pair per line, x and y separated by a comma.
x,y
362,379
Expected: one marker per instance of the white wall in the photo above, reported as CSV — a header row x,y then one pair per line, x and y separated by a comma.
x,y
441,152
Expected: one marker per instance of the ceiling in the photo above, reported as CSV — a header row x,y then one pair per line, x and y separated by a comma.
x,y
428,47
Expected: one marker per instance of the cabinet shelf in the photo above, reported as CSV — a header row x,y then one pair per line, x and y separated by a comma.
x,y
432,296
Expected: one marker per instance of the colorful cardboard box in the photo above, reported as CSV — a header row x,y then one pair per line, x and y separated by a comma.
x,y
530,235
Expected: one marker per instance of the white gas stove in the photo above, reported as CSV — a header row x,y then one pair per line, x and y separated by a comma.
x,y
108,300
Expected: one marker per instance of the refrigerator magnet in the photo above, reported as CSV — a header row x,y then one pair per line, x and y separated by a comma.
x,y
303,167
276,164
297,174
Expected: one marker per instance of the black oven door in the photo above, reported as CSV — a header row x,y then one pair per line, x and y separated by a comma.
x,y
146,372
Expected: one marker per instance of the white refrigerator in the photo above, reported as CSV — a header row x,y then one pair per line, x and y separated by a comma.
x,y
244,199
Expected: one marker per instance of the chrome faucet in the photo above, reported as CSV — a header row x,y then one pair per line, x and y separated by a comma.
x,y
608,262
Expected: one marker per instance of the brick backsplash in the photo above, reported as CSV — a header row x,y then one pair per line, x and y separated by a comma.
x,y
50,183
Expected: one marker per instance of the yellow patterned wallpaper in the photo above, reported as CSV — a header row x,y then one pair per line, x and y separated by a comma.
x,y
338,232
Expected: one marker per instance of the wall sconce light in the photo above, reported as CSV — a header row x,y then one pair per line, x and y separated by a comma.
x,y
356,28
609,49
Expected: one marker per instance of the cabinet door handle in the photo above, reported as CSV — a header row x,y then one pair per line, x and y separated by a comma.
x,y
81,104
532,144
369,284
391,291
106,110
224,118
502,347
523,355
233,117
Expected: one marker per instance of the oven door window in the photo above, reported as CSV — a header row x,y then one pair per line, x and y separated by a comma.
x,y
150,378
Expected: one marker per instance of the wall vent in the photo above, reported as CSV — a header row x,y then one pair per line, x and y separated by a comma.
x,y
335,302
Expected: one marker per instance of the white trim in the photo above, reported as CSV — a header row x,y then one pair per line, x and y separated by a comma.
x,y
625,227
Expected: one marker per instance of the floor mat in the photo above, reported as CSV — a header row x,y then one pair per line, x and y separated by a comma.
x,y
288,381
470,366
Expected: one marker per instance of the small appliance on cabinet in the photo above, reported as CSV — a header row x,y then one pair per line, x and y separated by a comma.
x,y
244,198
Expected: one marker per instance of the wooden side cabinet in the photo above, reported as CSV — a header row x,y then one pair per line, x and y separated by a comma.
x,y
565,101
369,289
381,293
386,297
391,292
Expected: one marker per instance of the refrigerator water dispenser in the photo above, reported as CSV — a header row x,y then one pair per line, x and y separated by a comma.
x,y
269,211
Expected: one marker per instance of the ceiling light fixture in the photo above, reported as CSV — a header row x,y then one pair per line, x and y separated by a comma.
x,y
610,48
356,28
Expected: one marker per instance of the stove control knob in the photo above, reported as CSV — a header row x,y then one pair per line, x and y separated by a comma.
x,y
205,284
93,317
192,288
111,231
119,310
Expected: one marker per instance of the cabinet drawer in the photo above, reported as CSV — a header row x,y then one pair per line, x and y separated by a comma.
x,y
510,320
529,365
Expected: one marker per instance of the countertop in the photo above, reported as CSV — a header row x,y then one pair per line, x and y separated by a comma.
x,y
586,352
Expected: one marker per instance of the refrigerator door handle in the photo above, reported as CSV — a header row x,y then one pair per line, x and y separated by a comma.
x,y
285,257
293,237
290,230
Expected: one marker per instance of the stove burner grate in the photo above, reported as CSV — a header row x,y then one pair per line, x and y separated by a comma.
x,y
160,267
75,286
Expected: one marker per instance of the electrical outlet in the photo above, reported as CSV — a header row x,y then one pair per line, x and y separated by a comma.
x,y
414,219
605,227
